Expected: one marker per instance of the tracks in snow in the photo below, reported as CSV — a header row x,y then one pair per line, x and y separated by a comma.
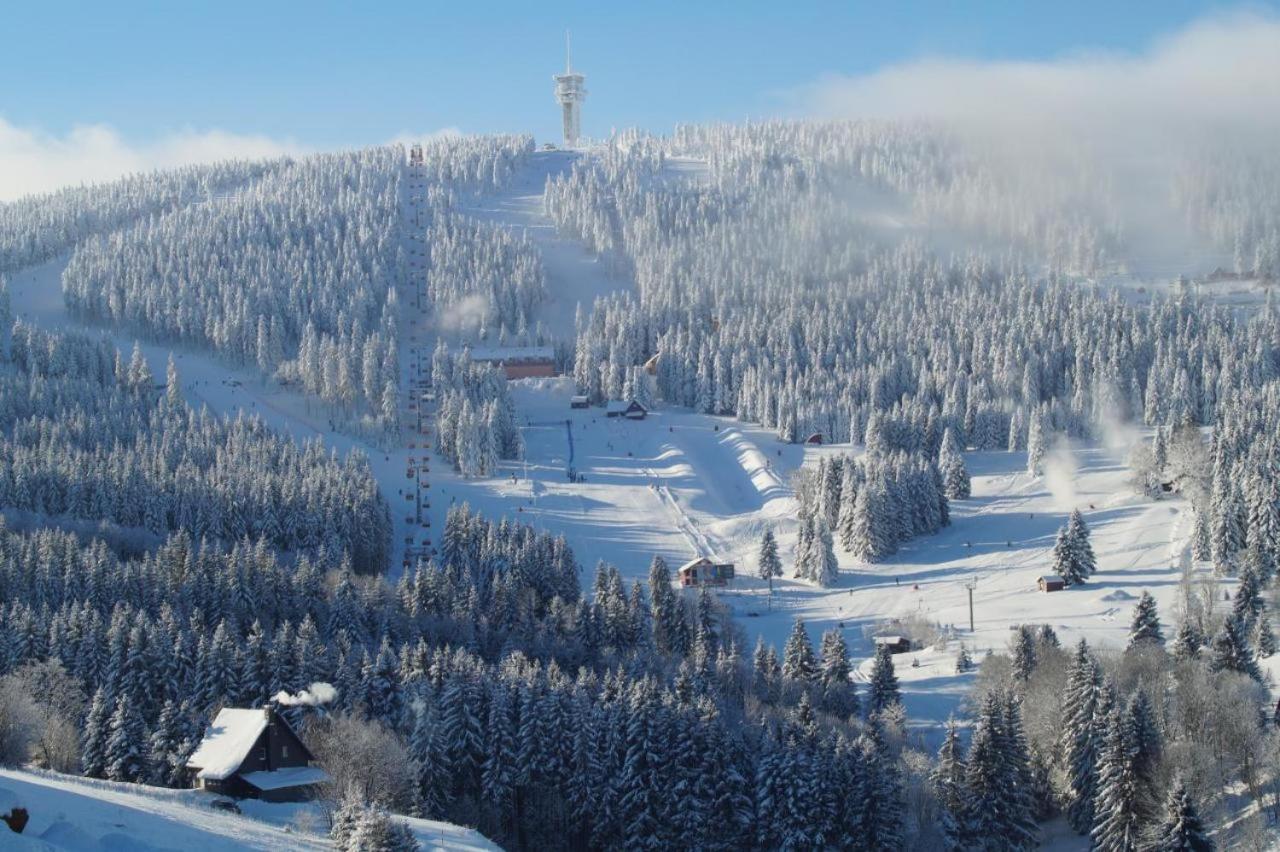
x,y
697,539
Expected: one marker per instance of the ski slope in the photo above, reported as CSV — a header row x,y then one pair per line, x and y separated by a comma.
x,y
36,296
71,813
574,275
680,485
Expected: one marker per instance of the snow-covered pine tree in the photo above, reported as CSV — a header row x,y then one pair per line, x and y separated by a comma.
x,y
1264,639
126,744
1120,817
1035,443
882,690
1081,740
1230,651
1180,829
93,736
1024,654
951,462
770,565
1078,533
1145,626
798,661
1064,561
948,779
826,569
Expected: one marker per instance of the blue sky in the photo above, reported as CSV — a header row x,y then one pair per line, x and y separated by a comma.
x,y
325,75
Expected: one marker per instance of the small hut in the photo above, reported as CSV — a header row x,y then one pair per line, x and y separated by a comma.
x,y
895,644
1051,583
630,409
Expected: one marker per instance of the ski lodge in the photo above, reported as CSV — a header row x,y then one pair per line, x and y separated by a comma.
x,y
254,754
519,362
629,409
703,572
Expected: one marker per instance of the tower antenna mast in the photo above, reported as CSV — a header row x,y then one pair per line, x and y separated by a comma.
x,y
571,91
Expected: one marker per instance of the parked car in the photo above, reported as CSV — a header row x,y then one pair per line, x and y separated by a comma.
x,y
225,805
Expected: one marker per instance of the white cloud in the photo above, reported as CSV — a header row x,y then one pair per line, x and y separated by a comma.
x,y
1219,74
33,161
407,138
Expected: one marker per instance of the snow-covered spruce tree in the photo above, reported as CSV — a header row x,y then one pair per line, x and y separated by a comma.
x,y
826,570
125,750
995,806
1229,650
948,779
881,806
1188,642
1065,564
1024,654
770,565
839,695
1145,626
1081,737
964,662
882,689
1035,443
1121,806
1078,533
1180,829
798,661
951,462
1264,639
93,736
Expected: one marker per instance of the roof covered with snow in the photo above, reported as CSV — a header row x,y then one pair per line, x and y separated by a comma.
x,y
291,776
513,354
227,742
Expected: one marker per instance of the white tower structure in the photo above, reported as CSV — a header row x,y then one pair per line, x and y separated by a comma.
x,y
570,92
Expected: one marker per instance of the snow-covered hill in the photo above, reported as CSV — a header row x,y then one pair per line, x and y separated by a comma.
x,y
68,813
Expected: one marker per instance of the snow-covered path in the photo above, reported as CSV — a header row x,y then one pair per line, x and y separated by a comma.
x,y
574,276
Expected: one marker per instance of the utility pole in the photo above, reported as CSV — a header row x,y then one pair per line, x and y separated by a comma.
x,y
971,585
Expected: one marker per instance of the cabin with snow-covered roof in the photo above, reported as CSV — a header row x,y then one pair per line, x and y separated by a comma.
x,y
895,644
703,572
254,754
628,408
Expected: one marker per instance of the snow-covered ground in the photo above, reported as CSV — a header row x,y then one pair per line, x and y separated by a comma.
x,y
681,484
70,813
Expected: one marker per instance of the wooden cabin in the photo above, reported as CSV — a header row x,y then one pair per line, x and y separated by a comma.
x,y
254,754
703,572
1051,583
629,409
815,438
895,644
579,401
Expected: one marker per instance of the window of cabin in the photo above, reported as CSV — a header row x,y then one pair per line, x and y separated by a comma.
x,y
262,754
284,751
